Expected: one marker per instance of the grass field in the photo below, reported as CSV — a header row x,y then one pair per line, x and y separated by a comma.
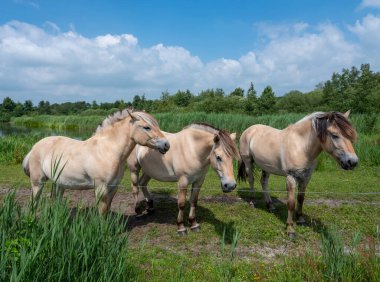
x,y
341,241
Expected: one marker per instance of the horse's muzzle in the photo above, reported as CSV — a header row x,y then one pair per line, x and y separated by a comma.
x,y
162,145
348,161
228,186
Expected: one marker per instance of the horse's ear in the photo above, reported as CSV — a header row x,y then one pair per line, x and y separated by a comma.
x,y
216,138
346,114
233,136
132,115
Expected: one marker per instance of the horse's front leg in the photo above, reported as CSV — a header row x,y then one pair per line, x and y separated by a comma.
x,y
143,184
135,183
195,189
291,188
182,189
104,195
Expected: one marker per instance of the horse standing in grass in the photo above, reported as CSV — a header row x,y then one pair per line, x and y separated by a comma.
x,y
97,162
192,151
292,152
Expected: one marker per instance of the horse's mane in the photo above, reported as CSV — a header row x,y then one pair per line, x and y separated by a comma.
x,y
122,114
225,139
321,120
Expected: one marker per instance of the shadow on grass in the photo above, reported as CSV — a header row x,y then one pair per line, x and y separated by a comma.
x,y
166,211
281,211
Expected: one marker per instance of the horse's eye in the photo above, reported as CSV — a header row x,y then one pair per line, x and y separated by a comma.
x,y
334,136
146,128
219,158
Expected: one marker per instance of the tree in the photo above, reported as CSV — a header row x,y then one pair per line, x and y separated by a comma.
x,y
239,92
267,101
8,105
293,102
251,104
43,107
182,98
28,107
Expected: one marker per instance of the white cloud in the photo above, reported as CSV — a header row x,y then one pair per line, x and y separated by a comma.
x,y
48,64
370,4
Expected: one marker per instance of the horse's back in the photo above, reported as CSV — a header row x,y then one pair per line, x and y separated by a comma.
x,y
181,159
49,150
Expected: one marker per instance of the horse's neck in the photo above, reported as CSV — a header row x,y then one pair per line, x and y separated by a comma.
x,y
204,144
116,139
309,139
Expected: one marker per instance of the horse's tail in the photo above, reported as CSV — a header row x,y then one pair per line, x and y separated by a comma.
x,y
25,164
242,174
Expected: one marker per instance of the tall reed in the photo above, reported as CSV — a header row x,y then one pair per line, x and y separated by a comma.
x,y
61,243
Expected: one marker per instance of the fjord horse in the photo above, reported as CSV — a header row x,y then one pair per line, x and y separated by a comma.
x,y
96,163
292,153
192,151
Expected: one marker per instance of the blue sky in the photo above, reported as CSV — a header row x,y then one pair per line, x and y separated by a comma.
x,y
107,50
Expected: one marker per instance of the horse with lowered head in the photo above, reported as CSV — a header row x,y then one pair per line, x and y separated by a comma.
x,y
192,151
97,162
292,152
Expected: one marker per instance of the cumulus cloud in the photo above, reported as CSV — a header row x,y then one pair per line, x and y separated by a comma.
x,y
370,4
48,64
368,33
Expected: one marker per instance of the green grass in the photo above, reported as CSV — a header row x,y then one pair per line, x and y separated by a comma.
x,y
55,243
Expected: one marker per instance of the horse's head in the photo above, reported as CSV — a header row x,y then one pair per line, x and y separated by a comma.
x,y
222,155
146,132
336,135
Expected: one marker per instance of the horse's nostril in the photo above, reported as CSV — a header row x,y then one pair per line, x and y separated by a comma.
x,y
225,185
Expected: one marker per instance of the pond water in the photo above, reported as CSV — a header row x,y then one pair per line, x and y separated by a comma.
x,y
7,129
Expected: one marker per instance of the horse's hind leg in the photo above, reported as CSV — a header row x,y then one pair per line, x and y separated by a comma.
x,y
300,199
37,181
248,161
195,189
264,184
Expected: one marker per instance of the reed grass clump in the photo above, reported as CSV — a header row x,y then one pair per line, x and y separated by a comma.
x,y
338,261
55,243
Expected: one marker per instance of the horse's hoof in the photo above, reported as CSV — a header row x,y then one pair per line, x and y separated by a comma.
x,y
292,235
182,233
196,228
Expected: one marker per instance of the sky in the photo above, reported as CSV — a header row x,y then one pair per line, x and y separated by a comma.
x,y
82,50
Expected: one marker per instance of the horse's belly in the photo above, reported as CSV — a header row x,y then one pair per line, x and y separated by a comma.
x,y
162,175
269,167
75,184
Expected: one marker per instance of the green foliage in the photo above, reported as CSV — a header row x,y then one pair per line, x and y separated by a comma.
x,y
267,101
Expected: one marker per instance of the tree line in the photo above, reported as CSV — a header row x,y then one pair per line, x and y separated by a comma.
x,y
355,89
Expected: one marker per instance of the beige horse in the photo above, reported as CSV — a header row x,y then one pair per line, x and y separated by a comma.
x,y
292,152
192,151
97,162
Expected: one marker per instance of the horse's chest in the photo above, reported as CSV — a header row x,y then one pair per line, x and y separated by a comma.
x,y
300,174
